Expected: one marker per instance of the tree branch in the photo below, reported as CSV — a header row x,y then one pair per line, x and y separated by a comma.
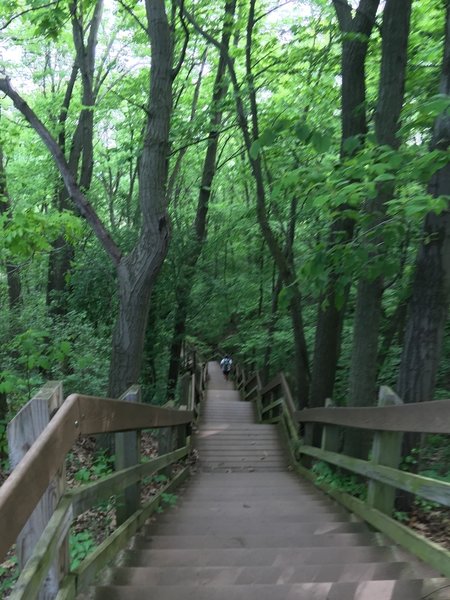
x,y
263,15
73,190
344,14
176,70
199,141
24,12
131,13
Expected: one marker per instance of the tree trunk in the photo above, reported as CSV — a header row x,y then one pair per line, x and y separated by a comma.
x,y
137,272
208,173
430,296
62,254
330,316
179,330
363,368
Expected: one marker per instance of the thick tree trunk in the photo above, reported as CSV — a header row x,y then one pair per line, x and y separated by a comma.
x,y
136,276
430,296
363,368
330,316
137,272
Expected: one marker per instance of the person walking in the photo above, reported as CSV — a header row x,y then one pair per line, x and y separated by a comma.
x,y
225,364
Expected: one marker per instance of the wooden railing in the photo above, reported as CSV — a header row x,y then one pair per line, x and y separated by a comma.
x,y
387,423
25,489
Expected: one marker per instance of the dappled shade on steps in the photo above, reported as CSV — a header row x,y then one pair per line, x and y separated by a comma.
x,y
245,528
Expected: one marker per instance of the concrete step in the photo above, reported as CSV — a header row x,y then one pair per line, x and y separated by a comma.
x,y
262,540
242,465
262,575
247,557
213,499
249,511
171,525
367,590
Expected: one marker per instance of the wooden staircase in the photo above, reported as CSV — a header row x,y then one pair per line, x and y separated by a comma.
x,y
247,528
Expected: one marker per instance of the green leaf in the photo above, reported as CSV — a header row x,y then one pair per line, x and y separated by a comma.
x,y
435,106
303,132
321,141
351,144
385,177
268,137
255,149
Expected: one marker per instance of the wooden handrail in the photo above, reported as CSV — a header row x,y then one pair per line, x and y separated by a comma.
x,y
422,417
79,415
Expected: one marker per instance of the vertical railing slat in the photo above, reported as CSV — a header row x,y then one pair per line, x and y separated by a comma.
x,y
386,450
22,432
128,453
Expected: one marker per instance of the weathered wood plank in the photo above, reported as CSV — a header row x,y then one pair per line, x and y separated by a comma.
x,y
288,442
432,489
127,452
68,589
100,415
287,394
386,451
272,405
35,471
331,438
422,417
291,425
23,431
36,569
78,415
88,569
90,494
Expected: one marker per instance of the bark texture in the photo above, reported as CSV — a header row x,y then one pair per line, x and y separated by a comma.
x,y
363,368
430,296
354,124
137,272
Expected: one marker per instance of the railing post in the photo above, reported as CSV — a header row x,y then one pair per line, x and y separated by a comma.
x,y
330,433
22,431
128,453
386,450
185,382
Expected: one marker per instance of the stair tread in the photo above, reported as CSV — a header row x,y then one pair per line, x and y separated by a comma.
x,y
366,590
281,556
264,540
262,575
218,526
